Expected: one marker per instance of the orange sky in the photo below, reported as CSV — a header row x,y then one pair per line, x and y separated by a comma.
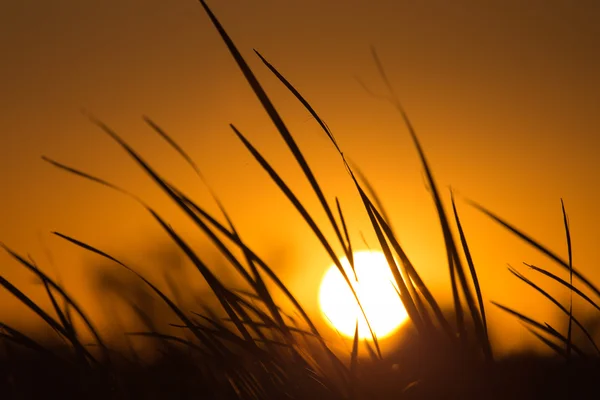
x,y
504,96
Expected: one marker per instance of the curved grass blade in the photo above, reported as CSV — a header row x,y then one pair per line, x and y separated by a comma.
x,y
404,292
412,273
564,283
180,314
347,237
370,351
47,318
53,285
59,313
214,283
370,190
559,350
557,303
453,256
543,327
192,210
307,105
553,256
258,284
309,220
565,340
354,358
208,276
304,102
570,252
274,116
471,265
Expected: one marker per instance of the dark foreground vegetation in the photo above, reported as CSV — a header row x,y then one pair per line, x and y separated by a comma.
x,y
177,375
248,347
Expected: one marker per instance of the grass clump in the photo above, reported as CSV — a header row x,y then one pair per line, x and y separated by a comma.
x,y
248,347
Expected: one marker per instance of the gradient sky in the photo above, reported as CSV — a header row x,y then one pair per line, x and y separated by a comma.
x,y
504,95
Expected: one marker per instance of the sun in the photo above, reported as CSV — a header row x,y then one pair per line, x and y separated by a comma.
x,y
376,290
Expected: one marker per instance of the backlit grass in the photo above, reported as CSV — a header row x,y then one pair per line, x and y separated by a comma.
x,y
248,346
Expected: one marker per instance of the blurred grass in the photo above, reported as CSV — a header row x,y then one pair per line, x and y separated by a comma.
x,y
249,347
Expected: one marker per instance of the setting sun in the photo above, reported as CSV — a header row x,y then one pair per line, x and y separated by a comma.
x,y
375,289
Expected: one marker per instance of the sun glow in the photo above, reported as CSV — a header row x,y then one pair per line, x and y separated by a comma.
x,y
376,290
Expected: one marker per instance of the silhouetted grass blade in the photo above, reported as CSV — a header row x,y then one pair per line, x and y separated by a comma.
x,y
307,217
471,265
570,252
47,318
170,303
559,350
275,117
543,327
537,245
354,356
454,260
348,244
557,303
565,284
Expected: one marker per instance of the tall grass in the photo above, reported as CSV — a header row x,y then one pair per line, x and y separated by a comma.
x,y
249,347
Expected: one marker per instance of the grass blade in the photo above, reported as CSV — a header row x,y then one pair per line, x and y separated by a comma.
x,y
538,246
274,116
168,301
543,327
473,272
307,217
570,252
45,317
557,303
564,283
347,237
451,247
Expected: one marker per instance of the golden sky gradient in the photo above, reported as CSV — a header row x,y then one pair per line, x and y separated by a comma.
x,y
504,95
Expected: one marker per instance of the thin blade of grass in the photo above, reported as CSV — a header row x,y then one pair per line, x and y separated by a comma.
x,y
59,313
300,98
565,340
474,278
570,252
354,354
412,273
45,317
180,314
543,327
307,217
53,285
557,303
192,209
370,350
305,103
214,283
354,359
564,283
453,256
404,292
347,237
370,190
559,350
274,116
219,244
532,242
207,275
